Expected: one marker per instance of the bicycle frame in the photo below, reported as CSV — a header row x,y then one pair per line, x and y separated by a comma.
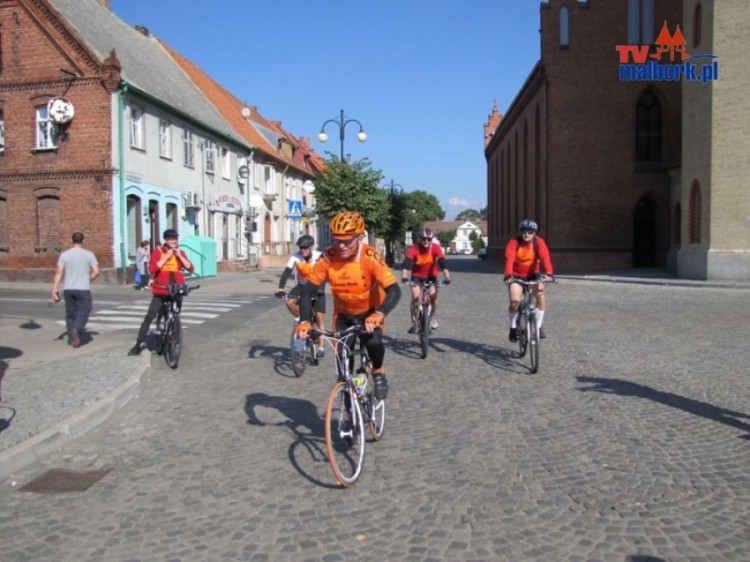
x,y
169,326
424,313
528,328
300,349
351,405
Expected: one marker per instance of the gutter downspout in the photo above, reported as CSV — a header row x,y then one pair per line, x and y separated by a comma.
x,y
121,171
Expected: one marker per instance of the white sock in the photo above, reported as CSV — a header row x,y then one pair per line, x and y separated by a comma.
x,y
539,317
513,316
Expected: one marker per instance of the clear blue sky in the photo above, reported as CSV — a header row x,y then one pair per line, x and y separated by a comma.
x,y
420,75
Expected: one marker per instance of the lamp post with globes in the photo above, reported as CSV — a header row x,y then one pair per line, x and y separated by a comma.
x,y
395,191
342,122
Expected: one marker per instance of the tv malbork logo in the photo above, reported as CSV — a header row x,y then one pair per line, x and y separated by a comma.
x,y
670,61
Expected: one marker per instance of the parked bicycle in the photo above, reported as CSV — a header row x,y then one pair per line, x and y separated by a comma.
x,y
351,405
424,313
528,328
169,325
303,351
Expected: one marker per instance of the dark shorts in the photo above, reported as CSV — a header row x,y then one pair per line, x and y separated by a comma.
x,y
318,301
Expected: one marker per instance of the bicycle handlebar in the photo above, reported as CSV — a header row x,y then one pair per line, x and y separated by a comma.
x,y
427,284
354,329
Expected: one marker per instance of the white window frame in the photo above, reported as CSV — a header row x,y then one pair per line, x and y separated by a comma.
x,y
137,128
226,163
46,130
209,151
165,139
268,180
188,148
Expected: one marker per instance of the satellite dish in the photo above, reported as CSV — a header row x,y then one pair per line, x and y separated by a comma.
x,y
246,112
60,110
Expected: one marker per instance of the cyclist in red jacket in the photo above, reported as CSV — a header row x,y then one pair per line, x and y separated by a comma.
x,y
165,266
526,257
424,261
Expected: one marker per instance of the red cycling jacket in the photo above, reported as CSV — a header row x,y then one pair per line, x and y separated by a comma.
x,y
170,273
524,258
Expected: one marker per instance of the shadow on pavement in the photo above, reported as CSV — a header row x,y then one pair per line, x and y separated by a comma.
x,y
496,357
301,418
696,407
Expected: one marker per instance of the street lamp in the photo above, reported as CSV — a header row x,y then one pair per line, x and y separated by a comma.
x,y
342,122
395,191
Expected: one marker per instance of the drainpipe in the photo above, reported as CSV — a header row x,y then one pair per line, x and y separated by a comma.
x,y
121,166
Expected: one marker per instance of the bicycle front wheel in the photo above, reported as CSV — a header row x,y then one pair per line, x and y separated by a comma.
x,y
424,333
376,411
299,354
523,336
173,341
533,344
345,434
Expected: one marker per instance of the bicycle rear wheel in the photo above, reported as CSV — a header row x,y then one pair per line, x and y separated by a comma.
x,y
424,333
299,354
345,434
173,341
523,336
533,344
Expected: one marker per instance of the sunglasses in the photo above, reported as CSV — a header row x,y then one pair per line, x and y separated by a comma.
x,y
528,232
347,242
426,239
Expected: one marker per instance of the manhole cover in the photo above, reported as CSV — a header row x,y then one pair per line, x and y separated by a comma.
x,y
60,481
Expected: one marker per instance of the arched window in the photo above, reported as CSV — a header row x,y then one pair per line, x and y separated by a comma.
x,y
697,24
48,222
564,27
648,129
134,223
694,232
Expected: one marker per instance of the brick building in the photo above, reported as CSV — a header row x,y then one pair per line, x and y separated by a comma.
x,y
144,149
54,177
626,173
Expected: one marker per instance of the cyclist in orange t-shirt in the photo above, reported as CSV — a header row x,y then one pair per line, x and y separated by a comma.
x,y
363,286
523,257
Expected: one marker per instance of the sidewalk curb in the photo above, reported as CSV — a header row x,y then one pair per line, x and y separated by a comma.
x,y
27,452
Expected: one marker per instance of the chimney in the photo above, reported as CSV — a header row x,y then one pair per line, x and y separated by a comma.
x,y
104,3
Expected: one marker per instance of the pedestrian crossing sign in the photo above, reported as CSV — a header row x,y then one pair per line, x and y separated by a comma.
x,y
295,209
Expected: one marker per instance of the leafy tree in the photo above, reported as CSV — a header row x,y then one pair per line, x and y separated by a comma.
x,y
468,215
419,208
476,241
353,186
483,214
445,237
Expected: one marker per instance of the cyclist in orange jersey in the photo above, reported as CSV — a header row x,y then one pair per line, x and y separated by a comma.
x,y
363,286
523,257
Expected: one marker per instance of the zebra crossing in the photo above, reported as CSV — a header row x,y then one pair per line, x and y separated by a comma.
x,y
128,316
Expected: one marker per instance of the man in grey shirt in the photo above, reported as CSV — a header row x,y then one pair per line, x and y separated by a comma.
x,y
76,268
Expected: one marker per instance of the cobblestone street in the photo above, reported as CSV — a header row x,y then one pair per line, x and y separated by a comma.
x,y
630,444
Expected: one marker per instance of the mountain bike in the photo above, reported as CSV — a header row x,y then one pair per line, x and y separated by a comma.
x,y
351,405
424,313
169,325
527,326
303,351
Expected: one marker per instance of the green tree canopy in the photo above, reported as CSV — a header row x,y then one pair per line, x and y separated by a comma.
x,y
353,186
468,215
445,237
421,207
